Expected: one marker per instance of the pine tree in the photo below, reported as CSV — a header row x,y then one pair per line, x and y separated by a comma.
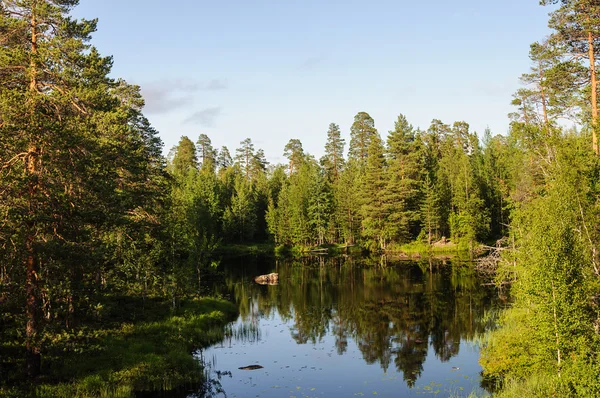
x,y
295,154
258,164
552,86
206,153
577,28
333,161
71,142
244,156
362,133
224,159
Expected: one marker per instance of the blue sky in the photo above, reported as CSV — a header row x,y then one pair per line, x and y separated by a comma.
x,y
273,70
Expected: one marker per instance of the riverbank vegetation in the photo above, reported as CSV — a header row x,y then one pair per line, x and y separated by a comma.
x,y
549,340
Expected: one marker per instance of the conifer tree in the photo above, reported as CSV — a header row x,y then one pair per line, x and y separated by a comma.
x,y
404,178
295,154
375,210
577,28
224,159
206,153
361,133
258,164
347,196
333,160
244,156
183,157
70,139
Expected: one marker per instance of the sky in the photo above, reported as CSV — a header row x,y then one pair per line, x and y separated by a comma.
x,y
273,70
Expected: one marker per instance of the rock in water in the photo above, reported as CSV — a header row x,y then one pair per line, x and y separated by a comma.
x,y
251,367
269,279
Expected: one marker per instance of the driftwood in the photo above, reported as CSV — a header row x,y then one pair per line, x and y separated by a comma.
x,y
488,265
269,279
251,367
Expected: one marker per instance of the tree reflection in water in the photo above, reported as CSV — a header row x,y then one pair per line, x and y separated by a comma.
x,y
395,312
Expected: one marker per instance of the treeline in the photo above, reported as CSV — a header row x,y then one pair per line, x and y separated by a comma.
x,y
415,185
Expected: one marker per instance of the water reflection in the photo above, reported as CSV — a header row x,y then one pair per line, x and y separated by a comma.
x,y
394,314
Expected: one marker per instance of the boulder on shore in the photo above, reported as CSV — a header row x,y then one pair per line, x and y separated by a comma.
x,y
269,279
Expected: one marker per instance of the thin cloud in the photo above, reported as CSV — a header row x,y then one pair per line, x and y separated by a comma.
x,y
217,85
167,95
205,118
312,62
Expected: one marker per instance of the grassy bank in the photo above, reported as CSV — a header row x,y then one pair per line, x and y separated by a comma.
x,y
151,354
233,250
419,249
416,249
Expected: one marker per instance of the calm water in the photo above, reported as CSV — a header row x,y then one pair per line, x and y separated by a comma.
x,y
337,327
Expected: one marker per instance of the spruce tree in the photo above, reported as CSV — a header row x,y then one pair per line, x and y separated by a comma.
x,y
405,173
333,161
375,209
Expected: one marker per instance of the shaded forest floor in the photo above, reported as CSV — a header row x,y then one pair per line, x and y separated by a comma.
x,y
137,346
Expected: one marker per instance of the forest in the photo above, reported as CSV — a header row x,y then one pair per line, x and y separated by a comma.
x,y
92,215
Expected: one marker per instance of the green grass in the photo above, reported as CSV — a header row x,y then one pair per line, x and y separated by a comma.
x,y
537,385
413,249
153,355
245,249
423,249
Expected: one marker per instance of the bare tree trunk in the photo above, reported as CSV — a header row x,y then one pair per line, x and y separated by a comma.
x,y
335,163
544,102
594,85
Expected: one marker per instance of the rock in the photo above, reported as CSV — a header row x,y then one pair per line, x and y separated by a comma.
x,y
251,367
269,279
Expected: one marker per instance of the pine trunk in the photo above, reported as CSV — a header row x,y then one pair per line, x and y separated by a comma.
x,y
544,103
594,85
33,355
32,308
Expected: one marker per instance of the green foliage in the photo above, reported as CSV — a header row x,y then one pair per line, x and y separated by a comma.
x,y
550,330
139,356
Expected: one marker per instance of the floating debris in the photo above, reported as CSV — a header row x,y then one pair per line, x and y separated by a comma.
x,y
251,367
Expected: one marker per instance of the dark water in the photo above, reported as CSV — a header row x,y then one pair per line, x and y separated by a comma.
x,y
346,327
